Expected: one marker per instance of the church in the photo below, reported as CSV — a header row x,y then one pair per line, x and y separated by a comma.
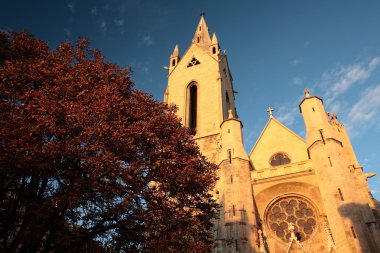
x,y
287,194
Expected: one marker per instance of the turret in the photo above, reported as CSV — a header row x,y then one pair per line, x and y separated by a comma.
x,y
214,47
346,209
174,58
232,139
317,121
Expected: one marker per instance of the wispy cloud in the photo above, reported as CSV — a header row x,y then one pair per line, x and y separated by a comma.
x,y
297,80
250,139
146,40
367,109
342,78
103,26
94,11
335,107
375,190
71,7
67,32
295,62
119,22
145,69
141,66
287,114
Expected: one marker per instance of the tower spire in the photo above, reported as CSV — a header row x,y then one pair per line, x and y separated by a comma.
x,y
202,35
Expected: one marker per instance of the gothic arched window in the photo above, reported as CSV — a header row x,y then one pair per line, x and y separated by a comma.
x,y
192,106
279,159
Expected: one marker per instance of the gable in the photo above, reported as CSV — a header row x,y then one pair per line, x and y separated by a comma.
x,y
276,138
197,53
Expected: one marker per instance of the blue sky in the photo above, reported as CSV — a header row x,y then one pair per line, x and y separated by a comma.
x,y
275,50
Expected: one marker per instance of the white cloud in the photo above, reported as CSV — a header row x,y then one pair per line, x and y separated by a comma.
x,y
94,11
375,191
71,6
295,62
119,22
302,134
366,111
103,26
145,69
341,79
249,140
140,66
335,107
286,116
146,40
297,80
67,32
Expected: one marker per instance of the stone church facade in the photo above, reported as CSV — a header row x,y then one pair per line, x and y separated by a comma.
x,y
288,194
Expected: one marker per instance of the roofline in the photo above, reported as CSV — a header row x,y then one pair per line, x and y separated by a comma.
x,y
266,126
180,58
308,98
231,119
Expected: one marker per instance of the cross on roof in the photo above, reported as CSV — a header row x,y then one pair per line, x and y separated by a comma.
x,y
270,111
202,13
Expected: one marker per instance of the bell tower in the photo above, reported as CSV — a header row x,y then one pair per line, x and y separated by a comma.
x,y
201,85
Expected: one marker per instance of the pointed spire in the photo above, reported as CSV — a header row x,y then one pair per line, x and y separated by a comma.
x,y
202,36
175,51
174,59
214,39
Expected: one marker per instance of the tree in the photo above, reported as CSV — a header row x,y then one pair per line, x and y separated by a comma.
x,y
87,161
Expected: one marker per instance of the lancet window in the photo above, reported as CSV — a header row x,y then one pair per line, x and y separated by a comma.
x,y
192,106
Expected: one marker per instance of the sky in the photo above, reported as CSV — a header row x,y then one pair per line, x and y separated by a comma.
x,y
275,49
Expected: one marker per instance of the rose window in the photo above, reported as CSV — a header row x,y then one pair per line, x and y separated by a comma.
x,y
295,210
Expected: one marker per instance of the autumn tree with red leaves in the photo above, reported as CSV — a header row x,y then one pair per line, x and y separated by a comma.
x,y
88,162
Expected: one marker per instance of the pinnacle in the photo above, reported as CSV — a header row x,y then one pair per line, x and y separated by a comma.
x,y
175,51
214,39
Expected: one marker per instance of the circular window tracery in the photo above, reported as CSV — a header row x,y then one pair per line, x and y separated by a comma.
x,y
279,159
292,209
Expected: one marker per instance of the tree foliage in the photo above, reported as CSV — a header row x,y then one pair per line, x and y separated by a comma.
x,y
87,161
